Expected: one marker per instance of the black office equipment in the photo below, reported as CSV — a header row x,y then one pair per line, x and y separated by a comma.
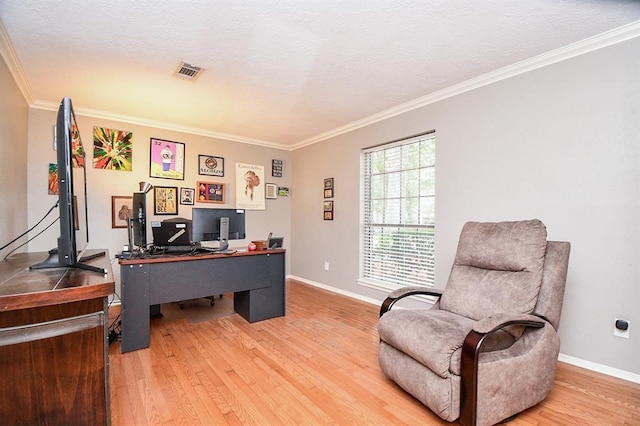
x,y
206,224
275,242
172,233
139,220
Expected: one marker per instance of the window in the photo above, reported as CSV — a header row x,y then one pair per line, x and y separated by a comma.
x,y
398,213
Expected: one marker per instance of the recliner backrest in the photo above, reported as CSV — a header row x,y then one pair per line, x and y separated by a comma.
x,y
554,277
498,268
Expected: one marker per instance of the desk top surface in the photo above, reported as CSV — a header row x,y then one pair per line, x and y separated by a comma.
x,y
22,288
189,257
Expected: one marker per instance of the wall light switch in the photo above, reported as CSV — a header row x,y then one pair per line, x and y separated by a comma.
x,y
326,266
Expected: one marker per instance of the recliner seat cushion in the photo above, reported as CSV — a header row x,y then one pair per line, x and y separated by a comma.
x,y
497,268
430,337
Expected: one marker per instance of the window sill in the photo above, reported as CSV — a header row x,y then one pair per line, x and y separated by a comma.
x,y
387,288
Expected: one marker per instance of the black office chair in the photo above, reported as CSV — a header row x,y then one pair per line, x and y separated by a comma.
x,y
210,298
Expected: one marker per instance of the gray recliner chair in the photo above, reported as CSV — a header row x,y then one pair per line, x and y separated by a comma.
x,y
488,348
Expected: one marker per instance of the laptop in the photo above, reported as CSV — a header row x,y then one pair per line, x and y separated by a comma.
x,y
171,233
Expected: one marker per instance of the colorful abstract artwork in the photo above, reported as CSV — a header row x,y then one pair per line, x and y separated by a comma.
x,y
112,149
53,179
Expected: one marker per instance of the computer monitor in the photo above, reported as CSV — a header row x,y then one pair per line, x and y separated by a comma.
x,y
217,225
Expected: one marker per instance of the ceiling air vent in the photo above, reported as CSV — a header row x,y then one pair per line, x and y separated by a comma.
x,y
188,72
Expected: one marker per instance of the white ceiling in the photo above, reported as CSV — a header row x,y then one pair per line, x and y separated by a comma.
x,y
281,73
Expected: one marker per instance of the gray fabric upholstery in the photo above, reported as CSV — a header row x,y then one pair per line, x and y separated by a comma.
x,y
502,272
517,378
497,268
442,396
430,337
549,303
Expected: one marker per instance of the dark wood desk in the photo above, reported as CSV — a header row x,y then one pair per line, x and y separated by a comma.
x,y
53,343
256,278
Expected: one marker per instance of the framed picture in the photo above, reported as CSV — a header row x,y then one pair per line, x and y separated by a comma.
x,y
165,200
209,165
284,191
166,159
112,149
250,187
328,210
271,191
121,209
211,192
328,188
276,168
187,196
52,178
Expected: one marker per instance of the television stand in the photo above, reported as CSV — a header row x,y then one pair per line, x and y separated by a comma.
x,y
53,343
52,261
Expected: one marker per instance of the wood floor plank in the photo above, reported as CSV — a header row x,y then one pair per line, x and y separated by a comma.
x,y
316,365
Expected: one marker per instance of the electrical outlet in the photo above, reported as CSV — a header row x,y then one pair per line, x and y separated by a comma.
x,y
619,332
326,266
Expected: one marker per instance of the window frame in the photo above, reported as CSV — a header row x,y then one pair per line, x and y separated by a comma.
x,y
409,250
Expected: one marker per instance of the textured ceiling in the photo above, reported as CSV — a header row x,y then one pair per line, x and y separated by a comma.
x,y
280,72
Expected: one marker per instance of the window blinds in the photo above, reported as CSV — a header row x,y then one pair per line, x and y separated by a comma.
x,y
398,213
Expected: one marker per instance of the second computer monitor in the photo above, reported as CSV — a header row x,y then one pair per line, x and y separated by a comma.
x,y
205,225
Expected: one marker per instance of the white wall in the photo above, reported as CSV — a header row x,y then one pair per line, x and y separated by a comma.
x,y
561,143
13,173
102,184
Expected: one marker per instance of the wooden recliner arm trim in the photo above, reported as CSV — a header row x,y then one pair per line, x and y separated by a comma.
x,y
401,293
471,354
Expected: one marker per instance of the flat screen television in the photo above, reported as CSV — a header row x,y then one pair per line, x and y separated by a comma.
x,y
217,225
72,196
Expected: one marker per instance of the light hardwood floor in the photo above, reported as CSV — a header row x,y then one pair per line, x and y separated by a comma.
x,y
317,365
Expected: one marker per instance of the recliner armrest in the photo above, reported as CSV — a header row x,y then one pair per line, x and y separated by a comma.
x,y
403,292
471,355
497,321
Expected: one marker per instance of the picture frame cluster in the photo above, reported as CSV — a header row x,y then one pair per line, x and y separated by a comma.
x,y
167,160
327,208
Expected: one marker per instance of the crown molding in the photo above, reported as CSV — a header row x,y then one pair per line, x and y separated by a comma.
x,y
609,38
591,44
13,63
86,112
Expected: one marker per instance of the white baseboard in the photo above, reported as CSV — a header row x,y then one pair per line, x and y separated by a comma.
x,y
599,368
336,290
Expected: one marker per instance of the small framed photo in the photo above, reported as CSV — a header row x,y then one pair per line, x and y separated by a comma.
x,y
276,168
328,210
165,200
121,209
328,188
284,191
166,159
271,191
209,165
211,192
187,196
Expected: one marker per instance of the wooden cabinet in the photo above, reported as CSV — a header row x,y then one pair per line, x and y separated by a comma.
x,y
53,344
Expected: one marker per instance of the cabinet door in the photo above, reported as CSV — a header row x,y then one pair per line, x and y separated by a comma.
x,y
54,371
